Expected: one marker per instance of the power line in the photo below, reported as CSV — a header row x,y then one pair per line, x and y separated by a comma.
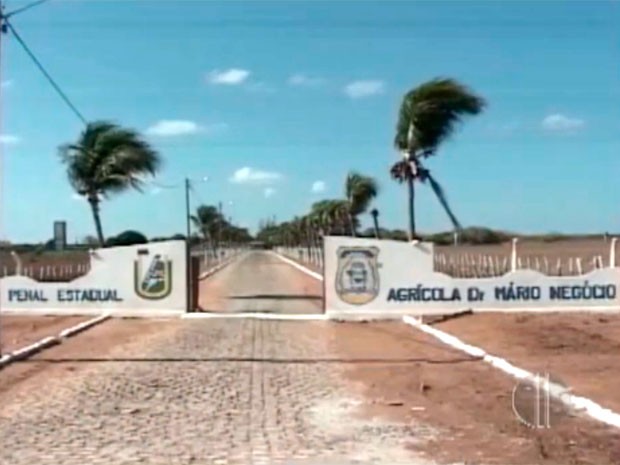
x,y
165,186
44,71
25,7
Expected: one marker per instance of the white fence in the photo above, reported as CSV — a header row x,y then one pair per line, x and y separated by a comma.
x,y
460,262
72,265
312,256
210,258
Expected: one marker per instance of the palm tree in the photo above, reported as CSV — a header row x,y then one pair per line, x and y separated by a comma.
x,y
428,115
107,159
375,221
208,220
360,190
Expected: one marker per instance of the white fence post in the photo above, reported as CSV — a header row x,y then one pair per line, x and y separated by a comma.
x,y
513,257
612,252
18,263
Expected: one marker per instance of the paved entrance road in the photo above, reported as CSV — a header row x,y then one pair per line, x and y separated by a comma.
x,y
261,282
210,392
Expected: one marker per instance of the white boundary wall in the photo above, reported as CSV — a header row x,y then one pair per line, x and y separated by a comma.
x,y
397,278
121,280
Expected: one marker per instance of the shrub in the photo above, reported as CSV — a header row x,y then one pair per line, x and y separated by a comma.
x,y
127,238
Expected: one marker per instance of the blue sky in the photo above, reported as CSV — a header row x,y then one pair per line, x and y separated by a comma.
x,y
271,99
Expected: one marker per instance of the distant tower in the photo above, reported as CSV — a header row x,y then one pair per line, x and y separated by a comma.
x,y
60,235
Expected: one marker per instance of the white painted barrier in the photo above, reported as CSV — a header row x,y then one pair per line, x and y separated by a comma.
x,y
385,278
148,278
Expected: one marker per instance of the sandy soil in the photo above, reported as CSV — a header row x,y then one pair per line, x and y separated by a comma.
x,y
582,350
20,331
415,378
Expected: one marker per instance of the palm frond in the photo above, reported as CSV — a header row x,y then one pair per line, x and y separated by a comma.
x,y
430,113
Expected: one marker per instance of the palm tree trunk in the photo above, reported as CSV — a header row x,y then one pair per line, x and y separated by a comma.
x,y
94,206
375,221
352,224
411,192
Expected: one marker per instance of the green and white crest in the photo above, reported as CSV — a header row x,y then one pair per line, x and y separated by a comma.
x,y
155,281
357,278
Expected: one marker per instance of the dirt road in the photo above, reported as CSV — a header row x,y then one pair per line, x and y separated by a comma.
x,y
261,282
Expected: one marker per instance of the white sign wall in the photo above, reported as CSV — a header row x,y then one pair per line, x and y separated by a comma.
x,y
368,276
141,278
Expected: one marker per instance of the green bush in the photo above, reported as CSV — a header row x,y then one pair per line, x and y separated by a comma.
x,y
126,238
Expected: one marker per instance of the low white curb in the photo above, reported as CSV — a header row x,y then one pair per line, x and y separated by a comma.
x,y
258,316
32,349
589,407
83,326
301,268
216,268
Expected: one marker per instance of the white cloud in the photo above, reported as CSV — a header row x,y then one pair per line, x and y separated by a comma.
x,y
269,191
318,187
360,89
305,81
78,197
558,123
229,77
247,175
173,127
9,139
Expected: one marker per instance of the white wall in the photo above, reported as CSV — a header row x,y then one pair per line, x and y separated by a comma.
x,y
400,280
114,283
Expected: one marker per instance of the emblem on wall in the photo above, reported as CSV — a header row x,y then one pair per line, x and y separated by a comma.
x,y
152,282
357,278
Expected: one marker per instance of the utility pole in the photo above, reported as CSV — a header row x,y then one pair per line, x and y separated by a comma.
x,y
188,255
3,30
187,209
219,229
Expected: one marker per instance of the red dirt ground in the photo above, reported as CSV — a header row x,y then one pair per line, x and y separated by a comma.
x,y
470,403
20,331
581,349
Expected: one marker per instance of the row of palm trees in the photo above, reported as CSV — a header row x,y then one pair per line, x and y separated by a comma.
x,y
429,114
214,229
108,159
326,217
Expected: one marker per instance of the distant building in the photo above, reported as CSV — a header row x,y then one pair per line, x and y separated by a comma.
x,y
60,235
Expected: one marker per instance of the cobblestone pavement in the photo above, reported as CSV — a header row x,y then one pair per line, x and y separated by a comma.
x,y
210,392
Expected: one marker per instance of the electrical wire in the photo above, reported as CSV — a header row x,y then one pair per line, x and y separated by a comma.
x,y
25,7
45,73
165,186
